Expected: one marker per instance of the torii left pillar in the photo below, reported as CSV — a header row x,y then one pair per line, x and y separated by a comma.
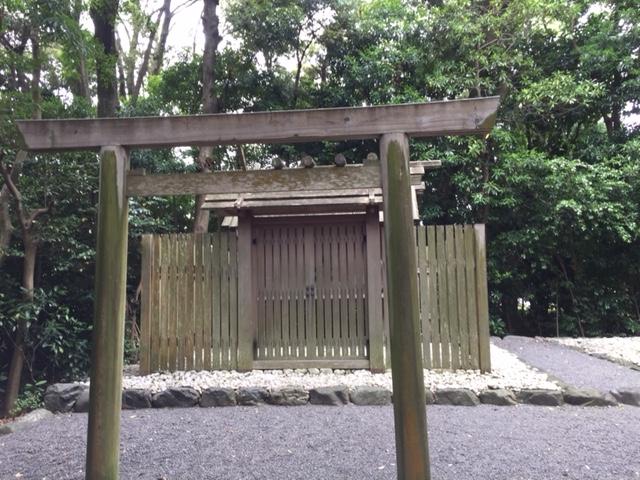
x,y
103,441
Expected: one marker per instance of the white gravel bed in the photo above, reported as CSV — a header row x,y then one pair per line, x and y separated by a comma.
x,y
625,350
507,372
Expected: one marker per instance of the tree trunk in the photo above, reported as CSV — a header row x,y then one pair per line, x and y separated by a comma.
x,y
210,25
6,225
103,13
36,96
144,67
296,85
511,316
130,59
17,358
209,99
122,86
81,87
158,56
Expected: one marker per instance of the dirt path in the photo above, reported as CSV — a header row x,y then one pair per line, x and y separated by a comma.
x,y
354,443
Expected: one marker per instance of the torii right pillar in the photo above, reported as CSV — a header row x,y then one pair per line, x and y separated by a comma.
x,y
409,404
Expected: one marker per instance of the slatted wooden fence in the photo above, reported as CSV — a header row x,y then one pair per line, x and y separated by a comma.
x,y
453,297
310,287
189,302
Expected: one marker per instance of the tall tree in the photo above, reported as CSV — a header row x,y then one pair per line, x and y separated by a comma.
x,y
210,24
104,13
28,227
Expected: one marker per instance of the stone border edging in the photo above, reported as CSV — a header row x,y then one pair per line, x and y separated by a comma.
x,y
67,397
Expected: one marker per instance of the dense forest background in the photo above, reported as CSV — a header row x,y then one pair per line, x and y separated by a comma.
x,y
557,182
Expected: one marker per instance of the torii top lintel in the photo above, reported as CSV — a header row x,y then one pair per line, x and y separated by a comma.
x,y
455,117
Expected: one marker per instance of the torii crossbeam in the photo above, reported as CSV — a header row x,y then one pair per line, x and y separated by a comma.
x,y
392,125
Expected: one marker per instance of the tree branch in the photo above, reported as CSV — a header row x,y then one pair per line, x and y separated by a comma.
x,y
15,193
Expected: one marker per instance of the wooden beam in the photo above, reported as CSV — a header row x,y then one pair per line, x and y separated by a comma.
x,y
290,194
103,443
310,363
402,298
255,181
314,205
455,117
426,164
298,209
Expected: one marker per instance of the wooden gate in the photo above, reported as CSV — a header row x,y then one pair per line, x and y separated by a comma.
x,y
310,288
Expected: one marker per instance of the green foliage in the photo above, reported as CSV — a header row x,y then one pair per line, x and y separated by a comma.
x,y
58,343
556,182
31,398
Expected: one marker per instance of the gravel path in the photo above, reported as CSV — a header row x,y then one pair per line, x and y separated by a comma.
x,y
623,350
572,367
514,443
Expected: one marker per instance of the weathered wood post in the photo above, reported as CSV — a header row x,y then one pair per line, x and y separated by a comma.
x,y
374,291
482,297
402,294
103,443
246,299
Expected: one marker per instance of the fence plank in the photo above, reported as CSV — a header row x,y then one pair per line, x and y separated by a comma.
x,y
173,289
424,295
145,301
243,300
452,311
443,306
198,312
301,293
463,318
385,303
335,291
361,292
224,301
233,299
434,313
260,310
163,305
155,293
343,290
374,292
277,287
326,292
472,308
179,301
321,338
216,301
285,265
207,318
190,306
310,297
352,285
482,299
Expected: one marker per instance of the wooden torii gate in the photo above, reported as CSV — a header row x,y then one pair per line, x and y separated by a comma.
x,y
392,125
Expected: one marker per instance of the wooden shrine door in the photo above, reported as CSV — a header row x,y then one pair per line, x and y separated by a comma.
x,y
310,286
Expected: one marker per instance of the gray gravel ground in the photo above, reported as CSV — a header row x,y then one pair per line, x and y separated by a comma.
x,y
573,367
313,442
